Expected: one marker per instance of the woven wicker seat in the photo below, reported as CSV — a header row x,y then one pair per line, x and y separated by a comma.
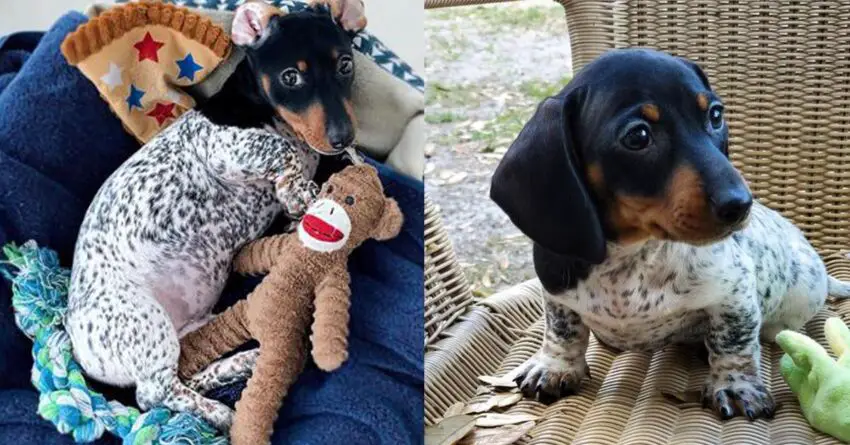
x,y
783,69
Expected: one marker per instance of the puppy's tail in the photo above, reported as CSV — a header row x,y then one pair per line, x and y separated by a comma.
x,y
838,288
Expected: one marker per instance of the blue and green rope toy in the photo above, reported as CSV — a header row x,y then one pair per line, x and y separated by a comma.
x,y
40,297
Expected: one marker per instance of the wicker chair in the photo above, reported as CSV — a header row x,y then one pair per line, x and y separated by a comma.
x,y
783,68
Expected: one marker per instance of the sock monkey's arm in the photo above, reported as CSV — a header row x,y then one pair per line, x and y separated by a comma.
x,y
330,320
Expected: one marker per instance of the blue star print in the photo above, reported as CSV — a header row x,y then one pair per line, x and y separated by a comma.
x,y
188,67
135,98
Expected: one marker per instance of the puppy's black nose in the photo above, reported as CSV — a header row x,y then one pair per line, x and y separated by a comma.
x,y
340,137
732,206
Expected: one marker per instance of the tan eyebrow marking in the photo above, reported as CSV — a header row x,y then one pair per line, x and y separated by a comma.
x,y
651,112
702,101
267,84
302,66
595,177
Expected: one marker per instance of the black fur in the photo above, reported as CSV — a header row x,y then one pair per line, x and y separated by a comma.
x,y
541,182
310,36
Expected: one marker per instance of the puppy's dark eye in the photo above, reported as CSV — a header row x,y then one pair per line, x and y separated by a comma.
x,y
329,188
349,200
345,66
637,138
291,78
715,116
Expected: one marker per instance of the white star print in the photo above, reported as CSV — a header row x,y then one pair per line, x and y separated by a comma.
x,y
112,78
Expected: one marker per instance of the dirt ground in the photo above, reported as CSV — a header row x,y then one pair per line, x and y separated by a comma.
x,y
487,67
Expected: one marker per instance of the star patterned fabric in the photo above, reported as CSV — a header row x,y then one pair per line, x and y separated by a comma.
x,y
148,48
188,67
142,73
135,98
162,112
112,78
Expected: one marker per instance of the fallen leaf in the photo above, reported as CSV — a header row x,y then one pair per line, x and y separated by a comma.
x,y
430,149
454,410
506,400
485,279
498,382
682,397
457,177
496,419
504,435
495,401
482,390
449,430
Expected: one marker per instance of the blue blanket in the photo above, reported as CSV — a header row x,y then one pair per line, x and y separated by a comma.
x,y
59,141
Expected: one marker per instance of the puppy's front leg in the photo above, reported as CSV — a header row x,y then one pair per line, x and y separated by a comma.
x,y
559,366
734,386
247,155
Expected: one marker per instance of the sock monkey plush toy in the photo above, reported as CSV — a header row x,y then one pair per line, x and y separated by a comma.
x,y
307,278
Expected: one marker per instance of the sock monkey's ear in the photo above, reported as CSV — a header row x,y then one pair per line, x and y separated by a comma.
x,y
390,224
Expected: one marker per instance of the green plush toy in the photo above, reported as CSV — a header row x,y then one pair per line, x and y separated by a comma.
x,y
821,383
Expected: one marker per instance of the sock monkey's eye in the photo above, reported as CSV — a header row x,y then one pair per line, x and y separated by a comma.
x,y
349,200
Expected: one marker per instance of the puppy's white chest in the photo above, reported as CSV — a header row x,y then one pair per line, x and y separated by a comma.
x,y
638,299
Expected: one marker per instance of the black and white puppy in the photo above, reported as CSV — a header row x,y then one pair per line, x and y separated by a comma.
x,y
645,233
156,244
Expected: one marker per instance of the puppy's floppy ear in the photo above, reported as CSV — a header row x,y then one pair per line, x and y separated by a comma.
x,y
390,223
540,183
251,21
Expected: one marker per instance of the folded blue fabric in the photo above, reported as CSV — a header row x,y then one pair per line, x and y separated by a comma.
x,y
58,143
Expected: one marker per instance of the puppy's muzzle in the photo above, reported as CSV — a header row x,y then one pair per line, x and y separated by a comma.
x,y
731,206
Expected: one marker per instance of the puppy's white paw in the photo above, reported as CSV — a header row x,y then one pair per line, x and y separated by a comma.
x,y
221,418
550,377
738,394
296,197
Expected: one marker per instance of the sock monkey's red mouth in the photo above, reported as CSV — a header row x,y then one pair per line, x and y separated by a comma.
x,y
320,230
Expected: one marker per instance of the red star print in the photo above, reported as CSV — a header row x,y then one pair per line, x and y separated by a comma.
x,y
148,47
162,112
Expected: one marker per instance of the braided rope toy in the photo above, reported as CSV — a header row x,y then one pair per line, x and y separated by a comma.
x,y
40,297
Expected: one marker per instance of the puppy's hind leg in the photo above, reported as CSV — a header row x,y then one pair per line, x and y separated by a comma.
x,y
228,370
164,388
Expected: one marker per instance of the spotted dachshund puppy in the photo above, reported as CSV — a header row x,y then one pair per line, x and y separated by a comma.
x,y
155,247
645,234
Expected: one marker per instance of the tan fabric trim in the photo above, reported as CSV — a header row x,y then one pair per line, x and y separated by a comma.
x,y
115,22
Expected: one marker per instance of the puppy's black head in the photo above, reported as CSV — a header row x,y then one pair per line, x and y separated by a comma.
x,y
304,66
635,146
